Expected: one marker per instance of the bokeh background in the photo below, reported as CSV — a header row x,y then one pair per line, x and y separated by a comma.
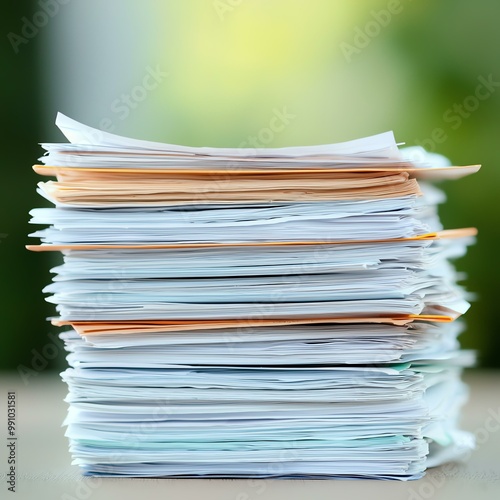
x,y
221,69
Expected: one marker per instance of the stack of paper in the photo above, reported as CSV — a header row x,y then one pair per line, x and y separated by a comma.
x,y
254,313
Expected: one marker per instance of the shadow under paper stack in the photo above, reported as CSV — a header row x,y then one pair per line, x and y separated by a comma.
x,y
255,313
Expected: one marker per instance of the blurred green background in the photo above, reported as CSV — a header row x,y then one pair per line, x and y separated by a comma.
x,y
221,69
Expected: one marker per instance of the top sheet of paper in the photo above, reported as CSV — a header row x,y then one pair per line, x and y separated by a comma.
x,y
380,145
90,148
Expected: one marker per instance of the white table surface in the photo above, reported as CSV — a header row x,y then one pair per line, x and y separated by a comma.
x,y
44,470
